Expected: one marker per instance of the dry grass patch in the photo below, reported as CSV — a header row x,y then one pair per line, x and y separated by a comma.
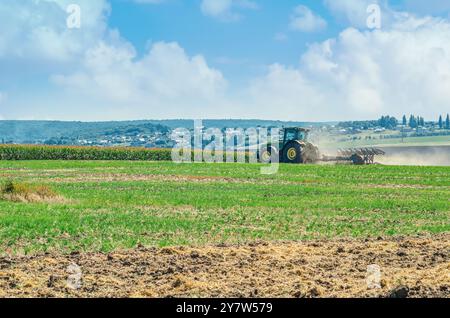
x,y
27,193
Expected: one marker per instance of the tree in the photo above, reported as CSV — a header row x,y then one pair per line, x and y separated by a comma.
x,y
381,121
404,121
412,122
447,122
387,122
392,123
422,121
441,123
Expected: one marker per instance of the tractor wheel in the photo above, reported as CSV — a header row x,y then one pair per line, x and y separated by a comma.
x,y
357,160
292,153
265,154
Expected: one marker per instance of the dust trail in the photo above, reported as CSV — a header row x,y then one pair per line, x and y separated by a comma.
x,y
395,155
416,156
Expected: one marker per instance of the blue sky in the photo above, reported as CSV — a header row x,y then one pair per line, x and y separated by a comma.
x,y
290,59
250,40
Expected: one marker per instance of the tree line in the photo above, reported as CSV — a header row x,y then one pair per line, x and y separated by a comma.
x,y
390,122
443,125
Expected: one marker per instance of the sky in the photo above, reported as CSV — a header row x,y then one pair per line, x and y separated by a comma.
x,y
310,60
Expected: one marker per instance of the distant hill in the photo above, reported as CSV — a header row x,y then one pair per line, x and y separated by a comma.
x,y
234,123
71,132
41,131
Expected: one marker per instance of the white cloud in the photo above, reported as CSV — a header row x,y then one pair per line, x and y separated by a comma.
x,y
163,81
97,69
303,19
354,12
37,30
226,10
363,74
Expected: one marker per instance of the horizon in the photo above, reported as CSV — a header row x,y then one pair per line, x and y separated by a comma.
x,y
213,119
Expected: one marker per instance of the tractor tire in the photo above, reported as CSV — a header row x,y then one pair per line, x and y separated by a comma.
x,y
292,153
265,154
357,160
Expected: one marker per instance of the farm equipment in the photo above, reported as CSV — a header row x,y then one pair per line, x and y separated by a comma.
x,y
294,147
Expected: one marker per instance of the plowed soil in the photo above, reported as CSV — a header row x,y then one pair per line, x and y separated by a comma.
x,y
338,268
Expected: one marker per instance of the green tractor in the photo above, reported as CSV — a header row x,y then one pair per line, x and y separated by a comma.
x,y
292,148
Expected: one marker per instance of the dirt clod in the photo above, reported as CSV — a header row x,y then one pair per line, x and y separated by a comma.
x,y
51,281
289,269
399,292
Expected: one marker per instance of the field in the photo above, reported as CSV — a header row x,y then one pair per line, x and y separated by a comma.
x,y
162,229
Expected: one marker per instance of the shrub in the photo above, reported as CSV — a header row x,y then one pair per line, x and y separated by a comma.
x,y
23,192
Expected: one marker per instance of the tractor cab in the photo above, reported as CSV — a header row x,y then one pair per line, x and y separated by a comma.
x,y
294,134
293,147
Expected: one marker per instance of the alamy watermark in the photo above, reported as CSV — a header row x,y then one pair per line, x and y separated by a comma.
x,y
374,19
75,276
73,20
373,276
230,145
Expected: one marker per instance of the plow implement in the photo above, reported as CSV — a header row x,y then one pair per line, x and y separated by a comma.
x,y
358,156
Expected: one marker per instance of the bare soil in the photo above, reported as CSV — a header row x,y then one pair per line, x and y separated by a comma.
x,y
410,266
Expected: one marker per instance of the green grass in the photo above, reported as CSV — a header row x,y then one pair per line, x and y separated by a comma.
x,y
118,204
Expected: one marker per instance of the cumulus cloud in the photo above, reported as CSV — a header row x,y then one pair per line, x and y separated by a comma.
x,y
362,74
303,19
104,69
226,10
165,77
37,30
354,12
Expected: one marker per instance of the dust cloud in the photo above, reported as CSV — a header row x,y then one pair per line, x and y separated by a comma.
x,y
416,156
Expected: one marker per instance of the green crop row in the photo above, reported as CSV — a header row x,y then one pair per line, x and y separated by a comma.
x,y
37,152
43,152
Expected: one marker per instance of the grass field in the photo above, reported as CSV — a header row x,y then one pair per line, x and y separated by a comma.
x,y
157,229
117,205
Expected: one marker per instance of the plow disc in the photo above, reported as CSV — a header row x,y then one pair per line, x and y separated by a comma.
x,y
358,156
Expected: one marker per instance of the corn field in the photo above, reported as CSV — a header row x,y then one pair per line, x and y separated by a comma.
x,y
40,152
45,152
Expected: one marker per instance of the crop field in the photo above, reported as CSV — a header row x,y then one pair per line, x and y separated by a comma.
x,y
139,228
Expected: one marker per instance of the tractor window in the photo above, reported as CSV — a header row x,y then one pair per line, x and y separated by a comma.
x,y
291,135
301,135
